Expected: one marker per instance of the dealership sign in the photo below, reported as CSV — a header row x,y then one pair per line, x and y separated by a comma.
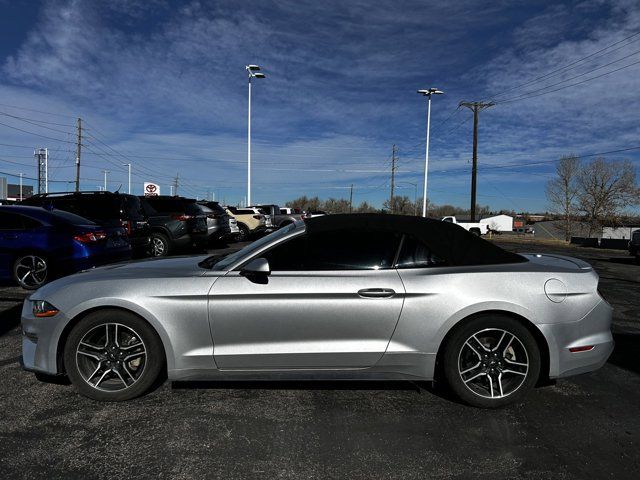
x,y
151,189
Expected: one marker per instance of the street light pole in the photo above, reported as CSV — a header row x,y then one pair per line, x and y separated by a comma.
x,y
253,72
427,93
128,165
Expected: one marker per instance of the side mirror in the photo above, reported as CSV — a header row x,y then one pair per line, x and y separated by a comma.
x,y
257,266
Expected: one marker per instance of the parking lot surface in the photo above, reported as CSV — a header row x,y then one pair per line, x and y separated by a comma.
x,y
583,427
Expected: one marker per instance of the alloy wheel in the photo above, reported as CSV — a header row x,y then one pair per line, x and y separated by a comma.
x,y
158,247
493,363
31,271
111,357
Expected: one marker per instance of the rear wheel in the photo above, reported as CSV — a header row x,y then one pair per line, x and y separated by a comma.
x,y
492,361
159,245
113,355
31,271
244,233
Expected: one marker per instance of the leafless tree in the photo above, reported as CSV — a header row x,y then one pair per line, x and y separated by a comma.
x,y
402,205
605,190
562,192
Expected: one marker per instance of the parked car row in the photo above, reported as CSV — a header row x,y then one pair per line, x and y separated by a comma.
x,y
79,230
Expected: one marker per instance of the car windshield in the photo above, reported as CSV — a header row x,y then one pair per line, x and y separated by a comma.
x,y
223,263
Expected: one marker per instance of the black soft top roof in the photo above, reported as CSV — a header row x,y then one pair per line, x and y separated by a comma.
x,y
447,240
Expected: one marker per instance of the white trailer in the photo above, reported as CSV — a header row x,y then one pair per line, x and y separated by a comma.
x,y
499,223
476,228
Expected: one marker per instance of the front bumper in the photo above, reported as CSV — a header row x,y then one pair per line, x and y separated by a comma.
x,y
39,341
594,329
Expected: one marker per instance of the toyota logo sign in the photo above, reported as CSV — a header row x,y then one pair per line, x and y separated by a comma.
x,y
151,189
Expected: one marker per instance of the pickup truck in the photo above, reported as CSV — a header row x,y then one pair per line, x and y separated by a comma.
x,y
277,217
477,228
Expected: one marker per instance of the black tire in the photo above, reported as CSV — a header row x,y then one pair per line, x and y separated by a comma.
x,y
244,234
160,245
114,379
31,271
475,231
495,369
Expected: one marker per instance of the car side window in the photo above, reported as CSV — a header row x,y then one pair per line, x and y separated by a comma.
x,y
11,221
289,256
343,250
415,254
352,250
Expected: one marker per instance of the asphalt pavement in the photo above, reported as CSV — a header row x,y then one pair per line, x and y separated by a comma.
x,y
583,427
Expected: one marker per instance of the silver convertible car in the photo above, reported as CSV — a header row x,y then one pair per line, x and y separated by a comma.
x,y
333,297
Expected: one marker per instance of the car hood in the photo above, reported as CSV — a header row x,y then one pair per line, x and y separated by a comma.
x,y
186,266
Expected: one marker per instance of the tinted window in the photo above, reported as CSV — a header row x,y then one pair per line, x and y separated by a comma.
x,y
344,250
288,256
225,262
72,218
215,206
192,208
415,254
352,250
11,221
165,205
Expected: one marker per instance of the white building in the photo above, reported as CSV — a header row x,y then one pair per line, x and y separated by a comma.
x,y
499,223
622,233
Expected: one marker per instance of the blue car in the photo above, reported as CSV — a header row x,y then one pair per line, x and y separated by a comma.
x,y
38,245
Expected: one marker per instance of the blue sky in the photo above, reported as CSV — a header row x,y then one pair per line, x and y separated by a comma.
x,y
162,85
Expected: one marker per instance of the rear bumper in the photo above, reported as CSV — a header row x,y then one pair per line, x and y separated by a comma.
x,y
594,329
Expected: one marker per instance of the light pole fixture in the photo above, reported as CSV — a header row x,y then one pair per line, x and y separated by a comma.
x,y
253,71
128,165
427,93
105,179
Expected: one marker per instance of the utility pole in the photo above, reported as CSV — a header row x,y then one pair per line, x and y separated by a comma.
x,y
393,178
351,199
475,107
21,174
175,184
78,154
43,174
46,170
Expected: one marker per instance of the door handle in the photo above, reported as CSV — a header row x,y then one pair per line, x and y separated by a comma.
x,y
376,292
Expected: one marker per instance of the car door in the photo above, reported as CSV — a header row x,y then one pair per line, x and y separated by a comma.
x,y
329,302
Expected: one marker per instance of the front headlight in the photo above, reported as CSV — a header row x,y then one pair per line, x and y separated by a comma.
x,y
42,308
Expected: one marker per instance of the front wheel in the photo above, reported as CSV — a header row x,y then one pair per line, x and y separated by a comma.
x,y
492,361
113,355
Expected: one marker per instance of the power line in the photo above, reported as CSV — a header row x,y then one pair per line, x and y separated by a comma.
x,y
565,67
37,134
545,90
37,111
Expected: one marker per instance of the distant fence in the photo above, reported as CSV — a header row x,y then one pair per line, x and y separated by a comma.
x,y
612,243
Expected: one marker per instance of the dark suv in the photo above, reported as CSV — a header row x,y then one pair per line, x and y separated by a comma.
x,y
178,222
108,209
